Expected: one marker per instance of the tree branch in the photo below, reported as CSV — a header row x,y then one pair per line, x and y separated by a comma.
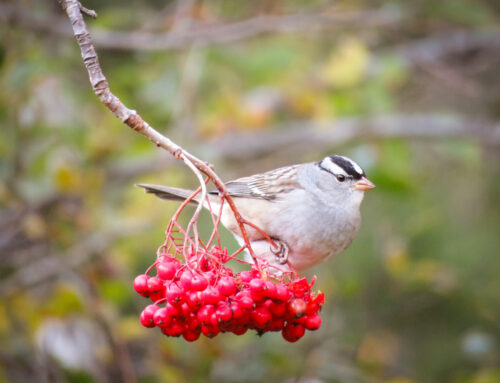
x,y
130,117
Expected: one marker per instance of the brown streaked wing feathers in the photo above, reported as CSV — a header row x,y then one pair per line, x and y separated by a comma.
x,y
267,185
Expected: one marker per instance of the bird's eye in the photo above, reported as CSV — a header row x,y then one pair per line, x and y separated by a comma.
x,y
340,177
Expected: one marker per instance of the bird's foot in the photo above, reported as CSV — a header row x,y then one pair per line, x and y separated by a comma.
x,y
280,252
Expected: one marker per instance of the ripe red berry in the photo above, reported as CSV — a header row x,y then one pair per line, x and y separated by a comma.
x,y
239,330
313,322
141,285
292,333
261,317
199,282
223,313
194,299
271,289
211,295
245,276
236,310
209,331
193,322
297,307
147,315
246,302
174,329
282,294
185,310
276,324
175,293
166,270
161,317
278,309
205,313
185,279
227,286
172,311
258,289
191,335
155,285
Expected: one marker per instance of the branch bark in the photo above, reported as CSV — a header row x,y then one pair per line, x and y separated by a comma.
x,y
130,117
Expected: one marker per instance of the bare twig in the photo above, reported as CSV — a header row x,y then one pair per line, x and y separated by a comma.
x,y
100,85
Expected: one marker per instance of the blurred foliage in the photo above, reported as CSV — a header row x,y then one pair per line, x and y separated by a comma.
x,y
415,298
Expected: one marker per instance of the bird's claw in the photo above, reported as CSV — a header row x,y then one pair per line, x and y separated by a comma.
x,y
281,252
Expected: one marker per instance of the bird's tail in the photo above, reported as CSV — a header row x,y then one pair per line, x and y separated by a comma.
x,y
168,193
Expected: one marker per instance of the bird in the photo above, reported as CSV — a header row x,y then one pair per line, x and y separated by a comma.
x,y
311,211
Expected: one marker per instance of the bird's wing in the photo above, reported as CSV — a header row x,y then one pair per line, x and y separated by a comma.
x,y
267,185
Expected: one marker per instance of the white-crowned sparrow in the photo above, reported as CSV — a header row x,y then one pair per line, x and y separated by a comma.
x,y
311,210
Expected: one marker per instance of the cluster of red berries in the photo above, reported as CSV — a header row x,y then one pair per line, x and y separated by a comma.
x,y
207,298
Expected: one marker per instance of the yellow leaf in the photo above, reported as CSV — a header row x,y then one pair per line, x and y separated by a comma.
x,y
66,179
347,64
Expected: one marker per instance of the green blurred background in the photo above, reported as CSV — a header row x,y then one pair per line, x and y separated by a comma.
x,y
409,89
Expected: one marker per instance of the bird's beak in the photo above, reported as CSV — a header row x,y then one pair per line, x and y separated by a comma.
x,y
364,184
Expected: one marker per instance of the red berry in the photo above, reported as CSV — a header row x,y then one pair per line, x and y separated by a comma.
x,y
277,324
258,289
246,302
293,333
191,335
205,313
227,286
172,311
175,293
211,295
313,322
261,317
155,285
166,270
174,329
186,310
271,289
209,331
297,307
194,299
223,313
161,317
245,276
257,285
193,322
278,309
157,295
239,330
245,319
185,280
282,294
141,285
236,310
199,282
147,315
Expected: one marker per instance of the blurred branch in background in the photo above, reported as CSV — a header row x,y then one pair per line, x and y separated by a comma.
x,y
208,32
306,135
